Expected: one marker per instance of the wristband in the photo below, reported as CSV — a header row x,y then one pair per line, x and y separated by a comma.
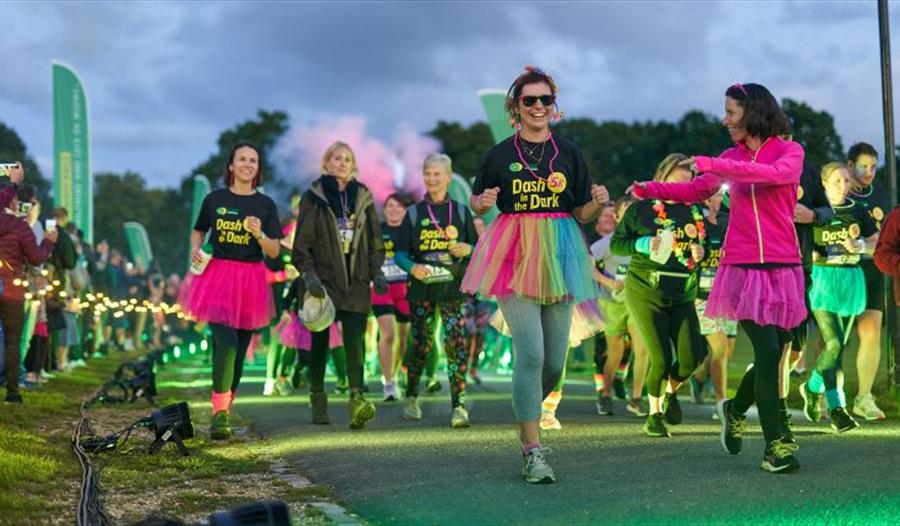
x,y
642,245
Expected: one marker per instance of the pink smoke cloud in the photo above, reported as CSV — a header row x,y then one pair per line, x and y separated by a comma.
x,y
383,168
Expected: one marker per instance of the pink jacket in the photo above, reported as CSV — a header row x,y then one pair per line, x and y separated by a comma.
x,y
762,186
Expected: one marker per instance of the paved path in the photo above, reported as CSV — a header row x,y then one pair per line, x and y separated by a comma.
x,y
398,472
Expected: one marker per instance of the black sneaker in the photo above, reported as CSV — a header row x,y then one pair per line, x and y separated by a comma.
x,y
672,409
841,421
732,434
655,426
604,406
779,457
220,427
433,386
13,398
811,409
619,389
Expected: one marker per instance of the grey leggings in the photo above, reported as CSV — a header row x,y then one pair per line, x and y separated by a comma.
x,y
540,340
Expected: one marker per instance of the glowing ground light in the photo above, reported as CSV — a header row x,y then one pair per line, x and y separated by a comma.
x,y
203,345
192,348
177,352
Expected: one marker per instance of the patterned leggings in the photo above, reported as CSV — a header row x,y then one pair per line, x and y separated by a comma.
x,y
424,316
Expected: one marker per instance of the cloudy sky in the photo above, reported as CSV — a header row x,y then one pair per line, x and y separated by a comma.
x,y
165,78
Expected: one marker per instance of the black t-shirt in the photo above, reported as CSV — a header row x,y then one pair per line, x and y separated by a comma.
x,y
428,236
851,221
392,243
224,212
810,194
875,201
709,265
522,192
685,223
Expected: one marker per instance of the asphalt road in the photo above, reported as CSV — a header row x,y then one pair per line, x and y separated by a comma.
x,y
398,472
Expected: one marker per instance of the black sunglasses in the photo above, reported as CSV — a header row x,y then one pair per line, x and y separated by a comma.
x,y
530,100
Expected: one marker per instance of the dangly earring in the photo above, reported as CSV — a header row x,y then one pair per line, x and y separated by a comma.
x,y
515,122
557,116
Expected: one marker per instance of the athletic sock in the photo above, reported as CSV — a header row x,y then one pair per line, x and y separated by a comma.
x,y
220,401
622,371
552,401
528,448
816,383
599,382
834,399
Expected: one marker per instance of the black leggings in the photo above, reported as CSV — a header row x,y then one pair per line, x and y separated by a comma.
x,y
762,382
662,323
12,316
36,357
353,325
229,348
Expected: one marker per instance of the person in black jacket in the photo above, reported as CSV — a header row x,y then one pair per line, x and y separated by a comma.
x,y
338,250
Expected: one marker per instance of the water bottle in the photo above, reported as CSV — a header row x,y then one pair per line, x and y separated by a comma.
x,y
205,255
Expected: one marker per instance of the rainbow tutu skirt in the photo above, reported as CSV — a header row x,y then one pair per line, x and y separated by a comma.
x,y
542,257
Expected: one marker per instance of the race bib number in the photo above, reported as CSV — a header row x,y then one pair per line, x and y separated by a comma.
x,y
842,260
393,273
345,231
706,278
438,275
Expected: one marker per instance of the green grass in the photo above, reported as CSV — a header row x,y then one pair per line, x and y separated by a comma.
x,y
40,477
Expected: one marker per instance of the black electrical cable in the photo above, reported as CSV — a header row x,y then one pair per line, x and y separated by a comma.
x,y
90,509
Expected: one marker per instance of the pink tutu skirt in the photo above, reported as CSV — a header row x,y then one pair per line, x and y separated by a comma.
x,y
232,293
542,257
184,290
295,335
772,296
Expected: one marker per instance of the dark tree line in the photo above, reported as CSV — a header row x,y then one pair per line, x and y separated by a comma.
x,y
617,154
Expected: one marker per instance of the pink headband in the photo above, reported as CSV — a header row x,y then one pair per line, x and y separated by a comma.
x,y
741,87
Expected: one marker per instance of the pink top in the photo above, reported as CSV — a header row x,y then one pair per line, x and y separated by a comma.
x,y
762,186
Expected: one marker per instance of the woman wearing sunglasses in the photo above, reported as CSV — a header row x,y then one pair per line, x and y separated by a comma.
x,y
760,278
533,258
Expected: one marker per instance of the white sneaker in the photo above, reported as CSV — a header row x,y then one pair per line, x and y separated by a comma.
x,y
865,407
412,411
390,392
549,421
269,387
460,418
536,470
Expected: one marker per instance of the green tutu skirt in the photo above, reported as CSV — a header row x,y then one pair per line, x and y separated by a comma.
x,y
839,290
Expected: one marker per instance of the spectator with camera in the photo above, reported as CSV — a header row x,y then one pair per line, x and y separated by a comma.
x,y
18,246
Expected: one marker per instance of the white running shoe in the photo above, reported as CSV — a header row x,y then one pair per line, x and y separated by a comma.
x,y
865,407
269,387
536,470
549,421
390,392
460,418
411,409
